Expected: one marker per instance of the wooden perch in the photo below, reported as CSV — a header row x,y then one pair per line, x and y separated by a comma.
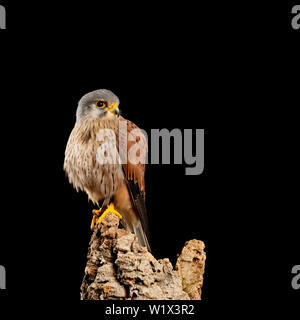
x,y
118,269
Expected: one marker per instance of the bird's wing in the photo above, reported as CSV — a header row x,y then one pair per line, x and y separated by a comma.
x,y
132,140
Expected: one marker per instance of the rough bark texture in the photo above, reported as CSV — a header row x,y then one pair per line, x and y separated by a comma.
x,y
190,265
118,269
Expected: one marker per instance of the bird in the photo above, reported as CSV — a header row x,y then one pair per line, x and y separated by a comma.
x,y
105,157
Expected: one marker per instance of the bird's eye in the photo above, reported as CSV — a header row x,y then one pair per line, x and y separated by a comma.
x,y
101,104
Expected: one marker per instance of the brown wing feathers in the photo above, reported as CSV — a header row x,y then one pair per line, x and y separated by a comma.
x,y
133,171
135,174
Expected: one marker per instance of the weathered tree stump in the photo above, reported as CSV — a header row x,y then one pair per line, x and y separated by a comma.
x,y
118,269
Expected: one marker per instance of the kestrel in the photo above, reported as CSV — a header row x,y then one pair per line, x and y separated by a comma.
x,y
97,161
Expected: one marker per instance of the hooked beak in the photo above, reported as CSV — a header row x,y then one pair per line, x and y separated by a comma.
x,y
114,109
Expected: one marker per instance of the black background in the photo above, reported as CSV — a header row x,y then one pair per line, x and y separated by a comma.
x,y
172,67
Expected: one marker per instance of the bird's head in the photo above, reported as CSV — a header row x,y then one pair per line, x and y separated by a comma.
x,y
101,104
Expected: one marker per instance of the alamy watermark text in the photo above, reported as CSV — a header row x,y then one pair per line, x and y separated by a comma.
x,y
296,278
2,17
2,278
296,17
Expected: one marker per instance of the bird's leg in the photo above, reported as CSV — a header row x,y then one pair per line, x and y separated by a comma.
x,y
111,208
96,214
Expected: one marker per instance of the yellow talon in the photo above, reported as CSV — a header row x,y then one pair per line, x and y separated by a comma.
x,y
96,214
93,222
111,208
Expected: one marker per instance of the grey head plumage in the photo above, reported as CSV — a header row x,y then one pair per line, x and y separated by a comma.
x,y
98,104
